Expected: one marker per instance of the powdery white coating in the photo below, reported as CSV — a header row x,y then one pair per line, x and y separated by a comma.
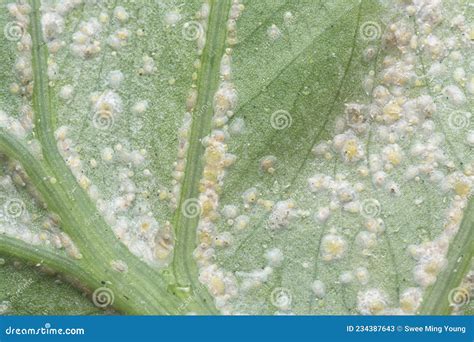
x,y
86,41
237,126
66,92
274,257
333,247
366,239
346,277
318,288
172,17
242,222
52,25
268,164
410,299
119,266
140,107
362,275
107,154
371,302
148,66
273,32
119,38
322,215
282,214
108,102
115,78
455,95
470,138
250,196
255,278
230,211
5,306
121,14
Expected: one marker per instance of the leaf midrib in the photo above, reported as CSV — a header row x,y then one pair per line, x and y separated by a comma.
x,y
184,266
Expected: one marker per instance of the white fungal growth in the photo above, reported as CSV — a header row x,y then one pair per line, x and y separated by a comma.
x,y
140,107
273,32
119,266
52,25
366,239
86,42
274,257
237,127
255,278
241,222
346,277
107,154
225,98
410,299
66,92
121,14
115,78
320,182
119,38
333,247
288,17
455,95
230,211
362,275
371,302
470,138
319,289
250,196
148,67
322,215
172,17
107,102
268,164
282,214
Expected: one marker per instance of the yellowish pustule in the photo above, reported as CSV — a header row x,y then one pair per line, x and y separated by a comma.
x,y
407,305
334,247
207,207
462,188
377,306
213,156
217,286
204,237
392,111
252,197
145,226
350,149
433,267
210,174
394,158
163,195
161,253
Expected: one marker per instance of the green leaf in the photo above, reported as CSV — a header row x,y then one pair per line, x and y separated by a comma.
x,y
232,157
